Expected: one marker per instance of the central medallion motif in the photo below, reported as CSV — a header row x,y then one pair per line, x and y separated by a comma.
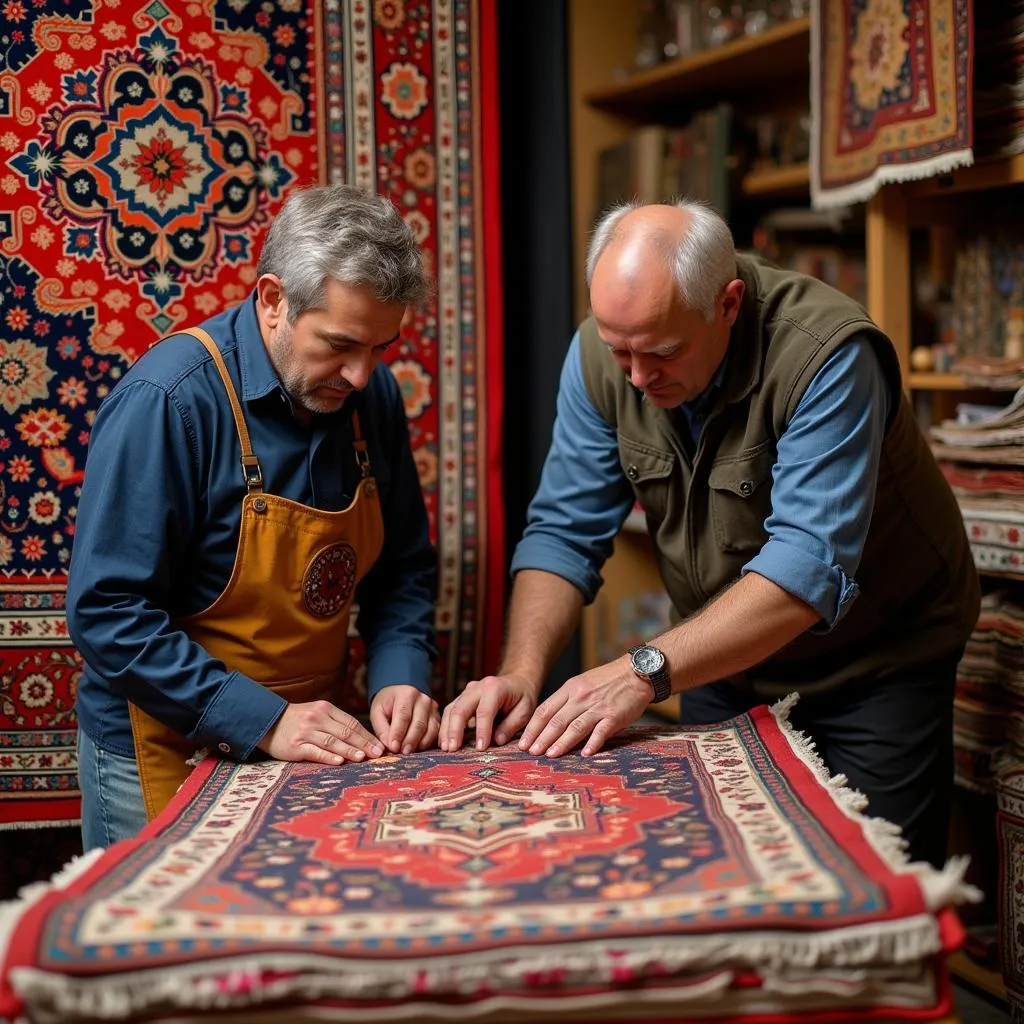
x,y
461,822
158,164
480,819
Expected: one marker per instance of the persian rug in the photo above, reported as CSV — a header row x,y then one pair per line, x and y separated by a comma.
x,y
145,146
891,95
715,872
1010,841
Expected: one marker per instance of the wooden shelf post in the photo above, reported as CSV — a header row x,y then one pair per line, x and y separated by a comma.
x,y
888,260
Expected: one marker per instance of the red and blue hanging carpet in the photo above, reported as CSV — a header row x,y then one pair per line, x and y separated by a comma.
x,y
144,148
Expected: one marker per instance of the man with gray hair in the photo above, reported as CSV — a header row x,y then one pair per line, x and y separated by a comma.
x,y
247,482
802,529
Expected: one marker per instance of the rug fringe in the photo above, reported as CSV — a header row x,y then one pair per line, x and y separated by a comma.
x,y
11,911
941,888
13,826
888,174
259,978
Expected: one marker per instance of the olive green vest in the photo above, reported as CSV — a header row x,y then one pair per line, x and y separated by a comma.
x,y
918,589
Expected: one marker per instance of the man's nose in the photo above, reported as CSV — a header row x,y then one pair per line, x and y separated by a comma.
x,y
639,375
358,373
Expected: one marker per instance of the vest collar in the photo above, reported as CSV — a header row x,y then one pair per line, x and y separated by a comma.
x,y
746,341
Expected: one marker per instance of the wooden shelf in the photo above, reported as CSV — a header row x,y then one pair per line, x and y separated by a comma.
x,y
963,967
985,174
936,382
772,181
999,574
735,69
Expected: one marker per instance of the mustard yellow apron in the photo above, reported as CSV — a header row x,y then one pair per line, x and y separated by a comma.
x,y
282,618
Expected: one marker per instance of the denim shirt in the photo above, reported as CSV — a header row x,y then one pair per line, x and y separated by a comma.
x,y
823,484
158,526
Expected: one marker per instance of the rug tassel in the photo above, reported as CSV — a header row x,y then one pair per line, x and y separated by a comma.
x,y
941,888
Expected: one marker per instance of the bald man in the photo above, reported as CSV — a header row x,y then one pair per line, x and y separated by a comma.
x,y
802,529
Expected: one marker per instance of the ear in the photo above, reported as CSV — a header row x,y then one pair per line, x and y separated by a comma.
x,y
729,303
271,303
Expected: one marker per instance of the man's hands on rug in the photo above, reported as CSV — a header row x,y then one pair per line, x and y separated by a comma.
x,y
587,709
318,731
405,719
502,705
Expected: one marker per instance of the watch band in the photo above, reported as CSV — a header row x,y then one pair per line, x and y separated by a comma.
x,y
660,679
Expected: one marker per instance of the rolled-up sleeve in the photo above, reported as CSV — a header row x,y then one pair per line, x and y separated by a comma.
x,y
824,482
583,496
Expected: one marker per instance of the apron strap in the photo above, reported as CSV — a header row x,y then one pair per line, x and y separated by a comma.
x,y
359,444
250,462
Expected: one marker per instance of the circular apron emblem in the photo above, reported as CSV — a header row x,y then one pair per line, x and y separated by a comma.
x,y
328,582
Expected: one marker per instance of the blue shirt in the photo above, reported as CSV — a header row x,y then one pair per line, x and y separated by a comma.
x,y
158,526
823,484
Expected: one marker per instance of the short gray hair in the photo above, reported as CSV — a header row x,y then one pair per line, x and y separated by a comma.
x,y
703,263
349,234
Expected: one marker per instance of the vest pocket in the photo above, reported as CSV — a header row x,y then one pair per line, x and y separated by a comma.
x,y
741,498
648,470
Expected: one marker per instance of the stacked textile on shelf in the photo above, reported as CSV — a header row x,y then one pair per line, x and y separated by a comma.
x,y
711,873
988,713
981,454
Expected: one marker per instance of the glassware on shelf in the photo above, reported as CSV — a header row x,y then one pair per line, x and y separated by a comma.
x,y
683,18
721,22
756,17
650,35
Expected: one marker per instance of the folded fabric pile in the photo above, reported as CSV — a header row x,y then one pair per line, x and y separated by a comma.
x,y
988,713
982,455
712,873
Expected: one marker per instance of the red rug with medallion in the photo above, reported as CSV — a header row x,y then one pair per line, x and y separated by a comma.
x,y
144,148
710,873
891,94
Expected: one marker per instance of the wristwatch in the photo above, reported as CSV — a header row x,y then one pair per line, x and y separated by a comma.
x,y
649,663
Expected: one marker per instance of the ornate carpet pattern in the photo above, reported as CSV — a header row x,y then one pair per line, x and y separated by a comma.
x,y
890,94
144,147
460,884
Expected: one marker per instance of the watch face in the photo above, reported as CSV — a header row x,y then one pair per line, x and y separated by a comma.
x,y
648,660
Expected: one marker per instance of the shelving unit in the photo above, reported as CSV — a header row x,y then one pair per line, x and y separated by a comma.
x,y
731,71
935,382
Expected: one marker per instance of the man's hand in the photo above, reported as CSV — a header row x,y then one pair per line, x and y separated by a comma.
x,y
587,709
514,697
318,731
404,718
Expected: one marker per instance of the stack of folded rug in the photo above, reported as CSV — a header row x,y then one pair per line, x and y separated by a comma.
x,y
712,873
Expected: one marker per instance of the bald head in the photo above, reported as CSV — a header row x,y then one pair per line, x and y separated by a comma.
x,y
660,246
635,271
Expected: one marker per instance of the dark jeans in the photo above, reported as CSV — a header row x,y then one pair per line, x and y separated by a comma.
x,y
892,738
